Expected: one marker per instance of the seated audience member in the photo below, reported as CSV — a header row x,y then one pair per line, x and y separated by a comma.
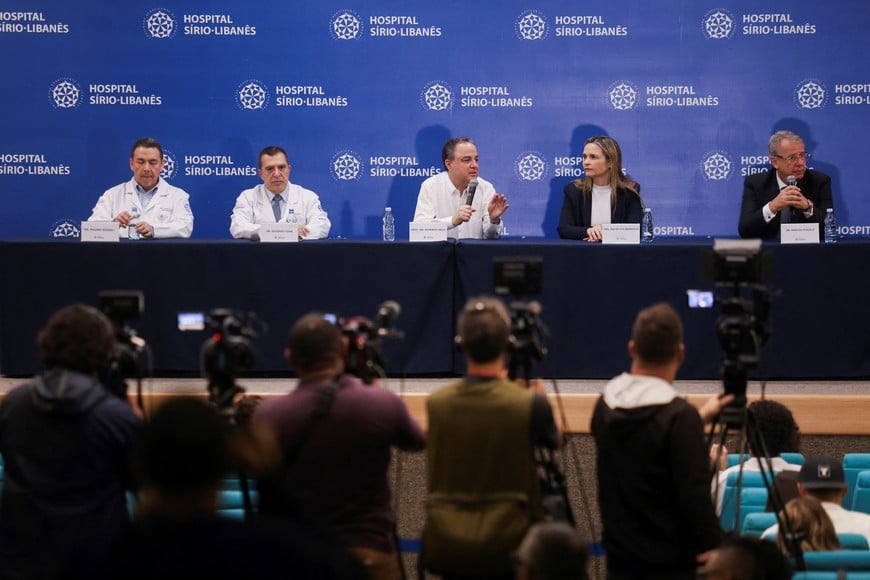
x,y
337,434
741,558
277,200
822,478
183,456
604,196
780,434
66,445
552,551
147,203
768,198
653,469
444,197
809,522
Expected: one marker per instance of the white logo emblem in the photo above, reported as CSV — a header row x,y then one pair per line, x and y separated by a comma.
x,y
159,23
437,96
252,95
168,171
66,94
346,25
824,472
717,166
531,26
65,229
531,166
718,25
811,94
622,96
346,166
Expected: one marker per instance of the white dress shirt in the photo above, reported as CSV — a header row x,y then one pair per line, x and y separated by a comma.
x,y
254,207
439,199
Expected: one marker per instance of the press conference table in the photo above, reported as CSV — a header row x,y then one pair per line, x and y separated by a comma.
x,y
591,294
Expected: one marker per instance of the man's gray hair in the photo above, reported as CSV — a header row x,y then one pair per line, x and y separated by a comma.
x,y
777,138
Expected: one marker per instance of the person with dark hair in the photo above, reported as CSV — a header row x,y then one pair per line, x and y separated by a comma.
x,y
336,435
780,433
147,203
66,443
789,192
653,470
552,551
741,558
604,196
278,200
454,196
483,487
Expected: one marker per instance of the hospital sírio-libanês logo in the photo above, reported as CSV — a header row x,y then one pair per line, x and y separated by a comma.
x,y
810,94
437,96
346,166
718,25
65,228
622,96
717,166
530,166
65,93
531,25
160,23
169,166
346,25
252,95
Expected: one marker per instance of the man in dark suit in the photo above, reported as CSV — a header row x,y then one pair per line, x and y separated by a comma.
x,y
768,198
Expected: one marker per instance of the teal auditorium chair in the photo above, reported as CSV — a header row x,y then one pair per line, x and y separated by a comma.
x,y
861,501
849,560
817,575
231,499
755,523
793,458
853,464
748,501
853,542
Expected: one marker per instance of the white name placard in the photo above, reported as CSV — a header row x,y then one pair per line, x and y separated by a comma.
x,y
427,232
799,233
280,233
620,233
100,232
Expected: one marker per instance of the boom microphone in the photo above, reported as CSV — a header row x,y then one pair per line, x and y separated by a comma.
x,y
472,187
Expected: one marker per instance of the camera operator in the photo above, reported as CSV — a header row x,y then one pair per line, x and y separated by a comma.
x,y
336,434
66,443
653,469
483,486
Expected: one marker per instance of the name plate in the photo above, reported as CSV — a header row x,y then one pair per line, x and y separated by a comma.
x,y
100,232
280,233
427,232
620,233
799,233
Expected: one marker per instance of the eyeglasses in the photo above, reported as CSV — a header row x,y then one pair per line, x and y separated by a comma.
x,y
794,156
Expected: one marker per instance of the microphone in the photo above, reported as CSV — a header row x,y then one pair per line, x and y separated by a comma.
x,y
472,187
388,311
790,180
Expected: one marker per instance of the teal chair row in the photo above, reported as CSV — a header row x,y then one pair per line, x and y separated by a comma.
x,y
861,500
849,560
752,498
853,464
756,523
795,458
817,575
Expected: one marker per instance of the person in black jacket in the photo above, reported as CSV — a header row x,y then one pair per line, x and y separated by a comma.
x,y
769,199
653,467
605,196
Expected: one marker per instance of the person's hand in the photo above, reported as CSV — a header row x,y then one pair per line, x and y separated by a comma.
x,y
124,218
593,234
789,196
713,406
463,214
719,457
303,231
497,206
145,230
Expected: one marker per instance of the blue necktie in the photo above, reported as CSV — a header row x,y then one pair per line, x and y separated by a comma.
x,y
276,207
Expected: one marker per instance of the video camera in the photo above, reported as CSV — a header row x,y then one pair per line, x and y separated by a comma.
x,y
129,358
365,358
227,352
522,276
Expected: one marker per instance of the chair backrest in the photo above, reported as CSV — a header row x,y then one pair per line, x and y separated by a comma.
x,y
793,458
858,560
751,480
861,501
853,464
755,523
819,575
752,501
734,459
853,542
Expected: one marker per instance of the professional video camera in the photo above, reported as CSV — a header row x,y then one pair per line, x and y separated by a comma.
x,y
522,276
227,352
739,265
365,358
129,358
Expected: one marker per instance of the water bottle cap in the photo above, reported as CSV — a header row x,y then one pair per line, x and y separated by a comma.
x,y
388,209
647,209
830,210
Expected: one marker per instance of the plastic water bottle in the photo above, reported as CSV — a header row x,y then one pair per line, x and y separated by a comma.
x,y
830,227
291,216
389,225
132,234
646,226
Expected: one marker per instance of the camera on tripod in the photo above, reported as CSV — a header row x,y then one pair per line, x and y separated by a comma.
x,y
227,352
516,277
365,357
129,358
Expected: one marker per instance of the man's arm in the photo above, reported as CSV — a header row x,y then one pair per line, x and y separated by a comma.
x,y
243,221
425,210
316,219
492,208
752,222
822,198
181,224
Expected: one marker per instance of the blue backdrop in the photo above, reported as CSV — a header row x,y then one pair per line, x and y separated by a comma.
x,y
363,94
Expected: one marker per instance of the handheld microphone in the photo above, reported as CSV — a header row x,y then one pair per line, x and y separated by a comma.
x,y
388,311
472,187
791,180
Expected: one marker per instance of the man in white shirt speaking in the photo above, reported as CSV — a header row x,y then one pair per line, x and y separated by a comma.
x,y
459,197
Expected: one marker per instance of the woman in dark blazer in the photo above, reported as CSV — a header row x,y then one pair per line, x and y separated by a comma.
x,y
604,196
